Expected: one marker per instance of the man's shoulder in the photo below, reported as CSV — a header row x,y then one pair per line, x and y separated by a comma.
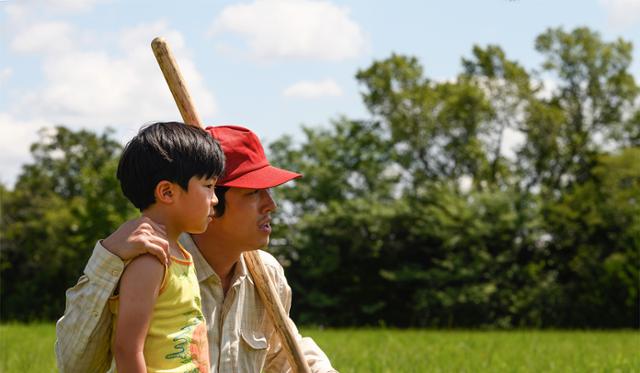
x,y
269,260
276,272
271,264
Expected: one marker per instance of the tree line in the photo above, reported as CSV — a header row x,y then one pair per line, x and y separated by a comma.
x,y
415,216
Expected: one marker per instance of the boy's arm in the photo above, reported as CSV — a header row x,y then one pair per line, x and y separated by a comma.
x,y
139,288
83,334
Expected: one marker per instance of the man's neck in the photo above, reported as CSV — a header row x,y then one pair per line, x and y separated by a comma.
x,y
222,258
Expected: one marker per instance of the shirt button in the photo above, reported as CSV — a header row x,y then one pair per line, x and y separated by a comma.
x,y
95,314
114,273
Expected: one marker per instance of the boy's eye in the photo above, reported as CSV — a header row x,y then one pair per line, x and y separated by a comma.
x,y
211,183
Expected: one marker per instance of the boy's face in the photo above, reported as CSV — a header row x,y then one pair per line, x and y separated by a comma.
x,y
246,222
195,206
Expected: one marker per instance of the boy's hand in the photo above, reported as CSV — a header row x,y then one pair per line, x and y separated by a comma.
x,y
139,236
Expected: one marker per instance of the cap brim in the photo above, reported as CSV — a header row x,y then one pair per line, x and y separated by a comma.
x,y
262,178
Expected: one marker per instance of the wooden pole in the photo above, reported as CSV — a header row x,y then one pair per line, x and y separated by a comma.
x,y
264,286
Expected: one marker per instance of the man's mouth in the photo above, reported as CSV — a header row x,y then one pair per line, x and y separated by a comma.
x,y
265,225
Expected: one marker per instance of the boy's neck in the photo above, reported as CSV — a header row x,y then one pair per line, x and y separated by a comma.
x,y
160,217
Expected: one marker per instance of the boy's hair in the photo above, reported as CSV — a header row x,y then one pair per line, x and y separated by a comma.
x,y
169,151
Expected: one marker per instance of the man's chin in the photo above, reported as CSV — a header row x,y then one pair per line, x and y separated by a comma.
x,y
261,246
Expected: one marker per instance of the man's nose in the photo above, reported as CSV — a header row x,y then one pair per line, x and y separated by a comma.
x,y
268,204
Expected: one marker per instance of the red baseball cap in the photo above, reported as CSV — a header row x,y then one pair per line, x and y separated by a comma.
x,y
246,166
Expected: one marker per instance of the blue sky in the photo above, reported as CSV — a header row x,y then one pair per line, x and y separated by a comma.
x,y
271,65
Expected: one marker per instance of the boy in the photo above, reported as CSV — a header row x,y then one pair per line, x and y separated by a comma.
x,y
168,171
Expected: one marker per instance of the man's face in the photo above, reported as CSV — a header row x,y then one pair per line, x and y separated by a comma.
x,y
246,222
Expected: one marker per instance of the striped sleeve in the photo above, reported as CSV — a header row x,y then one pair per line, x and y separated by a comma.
x,y
83,333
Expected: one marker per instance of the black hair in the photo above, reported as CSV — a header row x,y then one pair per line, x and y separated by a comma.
x,y
169,151
220,194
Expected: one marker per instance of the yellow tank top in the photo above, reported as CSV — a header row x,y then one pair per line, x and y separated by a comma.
x,y
176,341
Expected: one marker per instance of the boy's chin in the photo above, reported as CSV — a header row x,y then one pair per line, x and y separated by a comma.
x,y
202,230
199,230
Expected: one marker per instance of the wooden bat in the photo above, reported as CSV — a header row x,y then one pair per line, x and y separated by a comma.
x,y
265,288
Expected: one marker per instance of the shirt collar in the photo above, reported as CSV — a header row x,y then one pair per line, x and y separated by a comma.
x,y
203,269
241,272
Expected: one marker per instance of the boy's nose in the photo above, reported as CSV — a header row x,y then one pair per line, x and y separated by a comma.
x,y
214,199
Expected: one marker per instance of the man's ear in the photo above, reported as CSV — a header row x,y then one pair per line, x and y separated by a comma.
x,y
165,192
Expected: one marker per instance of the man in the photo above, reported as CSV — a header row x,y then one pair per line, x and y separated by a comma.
x,y
241,336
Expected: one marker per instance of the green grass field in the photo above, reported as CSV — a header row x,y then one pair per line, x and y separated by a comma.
x,y
29,348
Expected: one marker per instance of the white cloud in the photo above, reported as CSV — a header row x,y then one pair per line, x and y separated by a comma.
x,y
23,9
15,12
310,89
96,88
465,183
548,87
511,142
15,137
293,28
622,13
73,5
5,75
45,37
115,82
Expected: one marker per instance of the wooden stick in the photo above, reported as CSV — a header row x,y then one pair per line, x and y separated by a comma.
x,y
264,286
271,300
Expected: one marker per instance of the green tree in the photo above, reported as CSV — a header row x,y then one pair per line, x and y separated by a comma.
x,y
382,228
596,93
434,128
595,250
414,216
510,91
60,205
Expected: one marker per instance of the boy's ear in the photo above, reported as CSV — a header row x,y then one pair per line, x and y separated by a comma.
x,y
165,192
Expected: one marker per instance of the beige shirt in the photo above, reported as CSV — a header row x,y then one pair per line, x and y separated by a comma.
x,y
241,336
